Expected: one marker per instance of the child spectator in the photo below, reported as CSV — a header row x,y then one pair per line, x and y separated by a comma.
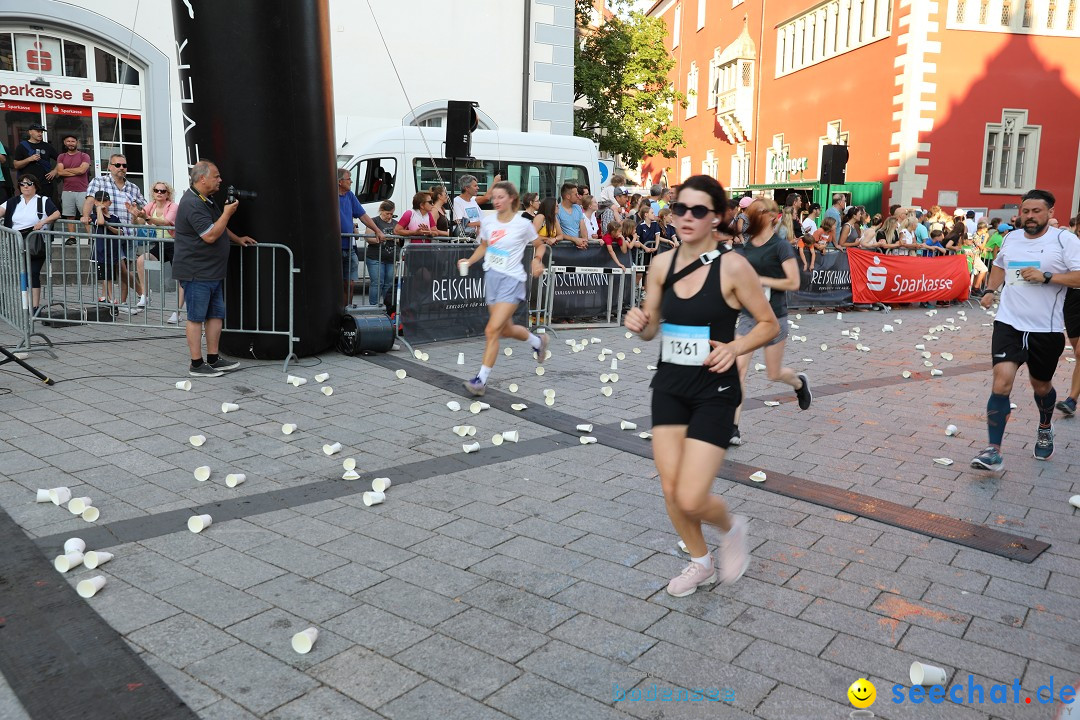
x,y
817,242
106,244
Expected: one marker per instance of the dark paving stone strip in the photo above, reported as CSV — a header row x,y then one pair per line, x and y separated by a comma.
x,y
150,526
869,383
61,659
978,537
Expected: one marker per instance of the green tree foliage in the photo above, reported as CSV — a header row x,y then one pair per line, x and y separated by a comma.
x,y
621,73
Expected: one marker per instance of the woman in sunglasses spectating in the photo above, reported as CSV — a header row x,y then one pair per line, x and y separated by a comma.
x,y
694,295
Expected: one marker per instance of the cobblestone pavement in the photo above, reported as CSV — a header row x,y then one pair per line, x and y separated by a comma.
x,y
526,580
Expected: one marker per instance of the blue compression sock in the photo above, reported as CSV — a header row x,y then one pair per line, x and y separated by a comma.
x,y
1045,403
997,413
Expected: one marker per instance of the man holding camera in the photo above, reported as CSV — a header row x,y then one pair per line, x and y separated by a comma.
x,y
200,261
36,157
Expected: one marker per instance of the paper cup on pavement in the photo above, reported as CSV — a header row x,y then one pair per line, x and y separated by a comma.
x,y
43,496
198,523
586,440
549,393
461,430
302,642
461,358
296,381
77,505
327,391
585,427
381,484
614,364
322,377
951,430
453,405
229,407
540,371
374,498
288,428
627,425
400,374
91,514
184,385
197,440
497,439
94,558
606,391
74,545
471,447
68,561
513,387
418,354
60,495
758,476
1075,501
508,351
234,479
511,436
202,473
348,464
89,588
350,475
923,674
331,448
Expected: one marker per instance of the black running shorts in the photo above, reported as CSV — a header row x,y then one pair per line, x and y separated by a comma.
x,y
1040,350
1072,313
708,418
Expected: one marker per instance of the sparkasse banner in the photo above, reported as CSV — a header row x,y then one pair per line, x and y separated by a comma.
x,y
903,279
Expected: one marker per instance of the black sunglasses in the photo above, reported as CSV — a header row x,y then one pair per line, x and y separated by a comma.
x,y
161,190
698,211
124,165
28,184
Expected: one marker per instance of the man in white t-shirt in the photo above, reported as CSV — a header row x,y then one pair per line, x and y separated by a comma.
x,y
1035,265
969,223
810,224
467,213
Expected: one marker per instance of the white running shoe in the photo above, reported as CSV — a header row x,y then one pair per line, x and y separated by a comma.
x,y
144,300
173,319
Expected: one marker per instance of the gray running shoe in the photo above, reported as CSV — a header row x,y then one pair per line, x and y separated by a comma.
x,y
204,370
1067,406
988,459
475,387
1044,445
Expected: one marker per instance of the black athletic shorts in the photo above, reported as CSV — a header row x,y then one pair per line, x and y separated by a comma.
x,y
1040,350
709,418
1072,312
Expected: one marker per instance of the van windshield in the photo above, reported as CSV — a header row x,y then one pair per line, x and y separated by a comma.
x,y
544,179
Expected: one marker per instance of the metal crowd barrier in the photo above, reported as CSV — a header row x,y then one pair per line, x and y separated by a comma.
x,y
365,284
614,311
82,286
15,289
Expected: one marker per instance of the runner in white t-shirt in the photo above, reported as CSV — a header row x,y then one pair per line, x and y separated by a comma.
x,y
1035,265
503,238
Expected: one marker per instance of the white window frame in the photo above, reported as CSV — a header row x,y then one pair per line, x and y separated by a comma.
x,y
701,14
709,166
1012,125
685,167
740,167
692,91
1042,22
714,85
829,29
676,27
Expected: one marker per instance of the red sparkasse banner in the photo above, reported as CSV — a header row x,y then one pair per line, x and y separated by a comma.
x,y
904,279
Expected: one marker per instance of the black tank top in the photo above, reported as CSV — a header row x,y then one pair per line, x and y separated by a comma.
x,y
706,308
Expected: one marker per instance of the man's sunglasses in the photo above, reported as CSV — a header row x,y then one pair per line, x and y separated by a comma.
x,y
698,211
123,165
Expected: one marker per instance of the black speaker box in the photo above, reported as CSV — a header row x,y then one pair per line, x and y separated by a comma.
x,y
461,120
834,160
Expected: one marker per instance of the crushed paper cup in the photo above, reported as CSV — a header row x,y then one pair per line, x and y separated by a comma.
x,y
296,381
197,440
198,523
381,484
77,505
951,430
943,461
331,448
759,476
587,440
519,406
453,405
839,316
808,359
627,425
946,356
927,355
578,348
327,391
1012,406
461,430
606,391
184,385
614,377
650,367
824,346
511,436
303,641
202,473
508,351
471,447
74,545
513,387
549,401
628,335
548,392
585,427
348,464
771,403
620,356
845,333
322,377
400,374
886,328
644,435
906,373
374,498
792,325
229,407
898,321
798,316
288,428
350,475
927,363
540,370
461,358
636,351
856,330
234,479
43,496
89,588
93,559
604,377
920,346
926,675
68,561
758,367
59,495
497,439
935,372
91,514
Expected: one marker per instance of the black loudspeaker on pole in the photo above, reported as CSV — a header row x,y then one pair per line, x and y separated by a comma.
x,y
461,121
834,160
257,99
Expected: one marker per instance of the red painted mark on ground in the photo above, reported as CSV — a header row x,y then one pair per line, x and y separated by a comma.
x,y
132,687
41,583
901,609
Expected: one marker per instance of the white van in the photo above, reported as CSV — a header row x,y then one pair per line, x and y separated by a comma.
x,y
395,164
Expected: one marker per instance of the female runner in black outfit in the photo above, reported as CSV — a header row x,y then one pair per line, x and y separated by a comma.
x,y
696,388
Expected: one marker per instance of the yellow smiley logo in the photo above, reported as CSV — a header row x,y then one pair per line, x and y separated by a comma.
x,y
862,693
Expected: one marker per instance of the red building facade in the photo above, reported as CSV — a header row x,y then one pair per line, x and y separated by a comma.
x,y
958,103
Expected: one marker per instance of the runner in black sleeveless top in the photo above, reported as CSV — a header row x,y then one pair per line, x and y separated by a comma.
x,y
696,389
